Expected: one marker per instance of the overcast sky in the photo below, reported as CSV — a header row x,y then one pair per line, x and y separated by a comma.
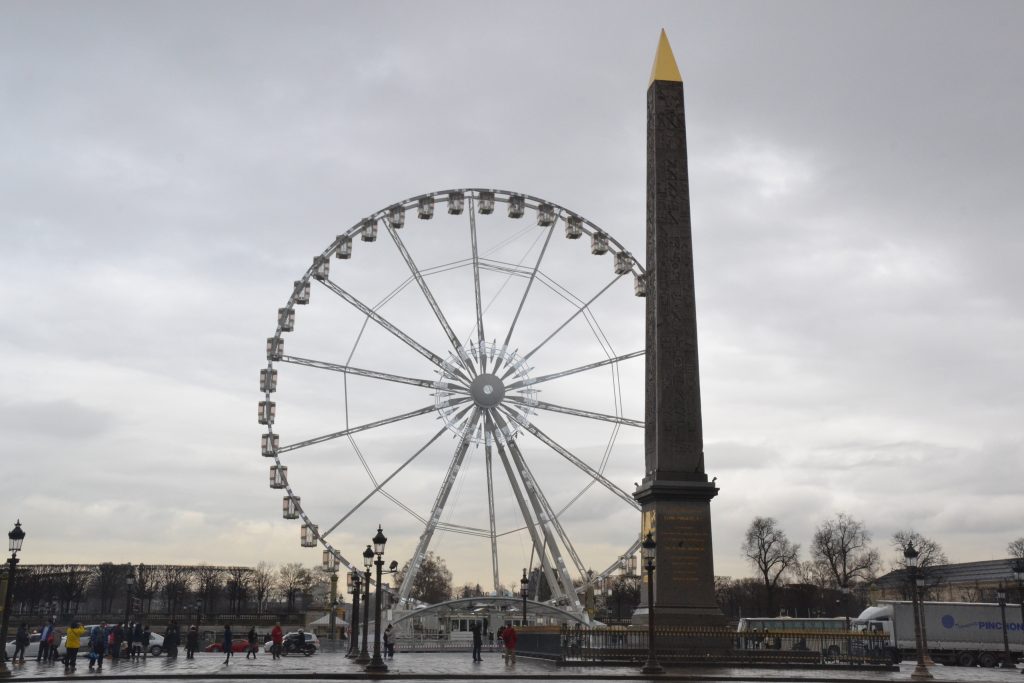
x,y
169,169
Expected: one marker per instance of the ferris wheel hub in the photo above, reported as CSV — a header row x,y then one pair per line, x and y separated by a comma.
x,y
487,390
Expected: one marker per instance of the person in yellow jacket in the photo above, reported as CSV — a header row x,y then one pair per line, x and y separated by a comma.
x,y
74,641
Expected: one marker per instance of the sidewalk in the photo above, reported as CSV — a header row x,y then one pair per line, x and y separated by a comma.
x,y
457,666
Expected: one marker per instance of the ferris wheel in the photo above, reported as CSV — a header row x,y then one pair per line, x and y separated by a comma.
x,y
472,383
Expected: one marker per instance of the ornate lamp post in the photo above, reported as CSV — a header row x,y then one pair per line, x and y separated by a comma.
x,y
379,541
647,552
330,567
15,538
1007,663
129,583
920,671
524,590
364,655
353,588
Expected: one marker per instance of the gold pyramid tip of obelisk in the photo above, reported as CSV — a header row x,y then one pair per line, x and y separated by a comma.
x,y
664,68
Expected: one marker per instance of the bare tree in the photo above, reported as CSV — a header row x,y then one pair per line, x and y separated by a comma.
x,y
237,587
841,547
209,581
175,584
105,580
771,553
930,553
262,582
1016,548
294,580
433,581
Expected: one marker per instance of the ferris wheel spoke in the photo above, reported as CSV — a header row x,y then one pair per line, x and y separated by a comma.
x,y
381,485
526,293
524,508
565,453
542,502
573,371
362,428
421,281
476,288
375,374
564,324
542,405
438,508
488,462
390,327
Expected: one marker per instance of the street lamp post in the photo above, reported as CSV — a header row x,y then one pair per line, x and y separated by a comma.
x,y
921,672
15,538
353,588
647,552
364,654
379,541
524,590
845,590
129,582
1007,663
1018,573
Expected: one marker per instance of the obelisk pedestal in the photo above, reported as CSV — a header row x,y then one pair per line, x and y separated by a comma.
x,y
675,493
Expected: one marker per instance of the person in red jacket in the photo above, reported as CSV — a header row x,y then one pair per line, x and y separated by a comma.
x,y
509,636
277,636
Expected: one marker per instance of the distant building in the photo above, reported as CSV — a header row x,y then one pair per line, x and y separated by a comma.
x,y
963,582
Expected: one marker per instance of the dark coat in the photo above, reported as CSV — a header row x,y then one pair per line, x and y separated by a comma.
x,y
22,638
192,640
227,639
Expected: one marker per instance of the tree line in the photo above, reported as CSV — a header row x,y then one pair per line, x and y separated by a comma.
x,y
63,589
834,579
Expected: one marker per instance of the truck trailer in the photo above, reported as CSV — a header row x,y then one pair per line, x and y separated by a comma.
x,y
958,633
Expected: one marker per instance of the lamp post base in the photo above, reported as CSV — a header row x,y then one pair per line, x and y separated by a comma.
x,y
652,668
376,667
4,671
921,673
362,658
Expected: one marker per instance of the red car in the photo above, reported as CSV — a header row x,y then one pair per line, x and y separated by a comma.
x,y
237,645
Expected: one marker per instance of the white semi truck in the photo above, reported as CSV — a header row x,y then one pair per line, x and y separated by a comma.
x,y
959,633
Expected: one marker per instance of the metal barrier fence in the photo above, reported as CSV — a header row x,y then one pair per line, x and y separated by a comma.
x,y
578,645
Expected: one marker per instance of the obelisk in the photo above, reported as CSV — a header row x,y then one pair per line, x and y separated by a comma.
x,y
675,494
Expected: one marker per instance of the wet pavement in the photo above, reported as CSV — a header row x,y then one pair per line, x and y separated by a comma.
x,y
459,666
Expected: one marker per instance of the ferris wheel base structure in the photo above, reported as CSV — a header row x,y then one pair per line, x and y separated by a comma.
x,y
675,494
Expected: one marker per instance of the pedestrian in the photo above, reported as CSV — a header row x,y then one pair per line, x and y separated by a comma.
x,y
509,636
116,638
137,635
277,636
74,641
227,643
478,642
44,638
129,638
501,641
389,642
253,643
53,642
144,640
98,641
172,639
191,642
21,641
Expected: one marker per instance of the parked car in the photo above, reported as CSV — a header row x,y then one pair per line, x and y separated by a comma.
x,y
31,651
310,639
156,643
237,645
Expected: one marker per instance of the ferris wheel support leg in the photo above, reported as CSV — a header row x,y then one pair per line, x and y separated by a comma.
x,y
436,510
488,461
549,513
531,525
